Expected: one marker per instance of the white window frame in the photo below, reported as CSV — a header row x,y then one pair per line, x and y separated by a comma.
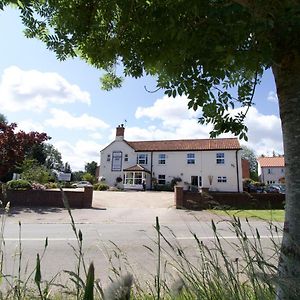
x,y
161,179
134,178
116,161
142,159
190,158
222,179
162,159
220,158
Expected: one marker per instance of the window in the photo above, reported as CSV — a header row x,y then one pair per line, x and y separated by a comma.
x,y
269,171
142,159
108,157
161,179
162,159
135,178
270,181
282,171
196,181
222,179
190,158
116,164
220,158
126,157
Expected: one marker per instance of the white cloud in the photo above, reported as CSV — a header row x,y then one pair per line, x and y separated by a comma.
x,y
272,97
33,90
96,135
62,118
80,153
264,131
29,125
169,110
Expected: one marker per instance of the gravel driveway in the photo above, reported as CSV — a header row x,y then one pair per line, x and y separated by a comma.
x,y
133,199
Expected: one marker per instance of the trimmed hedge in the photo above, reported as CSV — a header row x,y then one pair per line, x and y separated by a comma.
x,y
18,185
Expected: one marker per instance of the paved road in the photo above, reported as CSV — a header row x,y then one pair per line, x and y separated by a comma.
x,y
119,222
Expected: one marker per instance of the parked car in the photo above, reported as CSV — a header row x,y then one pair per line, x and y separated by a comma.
x,y
81,184
275,188
252,188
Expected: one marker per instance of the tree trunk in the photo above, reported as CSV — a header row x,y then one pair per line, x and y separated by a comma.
x,y
287,77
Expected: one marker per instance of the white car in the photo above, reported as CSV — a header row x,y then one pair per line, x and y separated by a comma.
x,y
81,184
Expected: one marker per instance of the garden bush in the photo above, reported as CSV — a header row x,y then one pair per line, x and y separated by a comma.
x,y
51,185
19,184
100,187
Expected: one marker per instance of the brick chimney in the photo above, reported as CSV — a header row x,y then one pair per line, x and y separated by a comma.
x,y
120,132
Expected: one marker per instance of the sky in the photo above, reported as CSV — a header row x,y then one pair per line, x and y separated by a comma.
x,y
64,99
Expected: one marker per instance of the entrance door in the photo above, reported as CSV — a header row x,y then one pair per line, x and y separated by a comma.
x,y
196,181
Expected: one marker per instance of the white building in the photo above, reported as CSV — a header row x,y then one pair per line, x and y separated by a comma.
x,y
271,169
206,163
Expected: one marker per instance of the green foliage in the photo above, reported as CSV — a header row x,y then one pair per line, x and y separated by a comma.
x,y
19,184
224,49
88,177
174,181
100,187
53,157
51,185
163,187
249,154
91,168
77,176
34,172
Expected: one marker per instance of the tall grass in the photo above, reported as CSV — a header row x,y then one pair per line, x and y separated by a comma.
x,y
243,269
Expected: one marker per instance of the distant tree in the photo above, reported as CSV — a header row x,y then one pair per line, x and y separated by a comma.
x,y
77,175
3,119
53,158
34,172
67,168
249,154
89,177
91,168
15,145
37,152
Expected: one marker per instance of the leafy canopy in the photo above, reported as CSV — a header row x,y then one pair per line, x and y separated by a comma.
x,y
214,51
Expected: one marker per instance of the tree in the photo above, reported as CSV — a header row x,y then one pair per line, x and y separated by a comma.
x,y
249,154
3,119
34,172
213,51
15,145
67,168
91,168
53,159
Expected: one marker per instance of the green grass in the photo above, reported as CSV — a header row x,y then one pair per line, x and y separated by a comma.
x,y
276,215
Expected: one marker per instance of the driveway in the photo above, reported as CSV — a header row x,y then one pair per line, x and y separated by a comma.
x,y
133,199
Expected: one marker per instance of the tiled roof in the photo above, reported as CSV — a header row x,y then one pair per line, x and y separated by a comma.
x,y
186,145
138,168
271,161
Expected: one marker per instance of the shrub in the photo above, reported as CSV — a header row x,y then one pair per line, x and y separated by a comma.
x,y
37,186
100,187
119,179
51,185
163,187
174,181
19,184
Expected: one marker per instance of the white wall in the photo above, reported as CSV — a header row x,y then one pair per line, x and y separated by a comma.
x,y
176,166
275,174
205,165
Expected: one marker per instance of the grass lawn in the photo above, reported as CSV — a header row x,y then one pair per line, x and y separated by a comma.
x,y
276,215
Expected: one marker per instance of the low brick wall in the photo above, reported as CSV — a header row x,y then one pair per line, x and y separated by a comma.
x,y
199,201
51,198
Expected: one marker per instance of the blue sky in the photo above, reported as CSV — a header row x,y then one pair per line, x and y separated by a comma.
x,y
64,99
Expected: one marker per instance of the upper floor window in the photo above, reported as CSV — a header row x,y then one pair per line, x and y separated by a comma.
x,y
190,158
282,171
116,164
220,158
222,179
162,159
142,159
126,157
108,157
269,171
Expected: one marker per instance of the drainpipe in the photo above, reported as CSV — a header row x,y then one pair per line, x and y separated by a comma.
x,y
237,170
151,168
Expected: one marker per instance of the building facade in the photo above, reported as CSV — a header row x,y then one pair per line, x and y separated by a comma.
x,y
271,169
204,163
